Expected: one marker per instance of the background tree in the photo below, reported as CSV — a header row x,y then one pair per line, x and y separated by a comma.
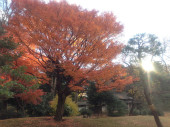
x,y
6,56
164,55
106,98
138,48
98,99
71,44
15,82
160,87
135,90
4,11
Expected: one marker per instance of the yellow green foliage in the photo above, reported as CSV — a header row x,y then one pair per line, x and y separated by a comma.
x,y
69,103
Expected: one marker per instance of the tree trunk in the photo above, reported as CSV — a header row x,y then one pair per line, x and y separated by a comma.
x,y
53,86
131,109
98,109
4,106
151,106
145,81
76,97
60,107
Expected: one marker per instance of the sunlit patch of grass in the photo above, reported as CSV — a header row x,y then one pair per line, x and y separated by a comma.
x,y
127,121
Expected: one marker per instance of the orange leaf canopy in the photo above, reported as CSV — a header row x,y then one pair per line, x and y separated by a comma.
x,y
70,42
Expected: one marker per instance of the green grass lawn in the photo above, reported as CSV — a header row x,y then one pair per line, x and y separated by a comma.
x,y
127,121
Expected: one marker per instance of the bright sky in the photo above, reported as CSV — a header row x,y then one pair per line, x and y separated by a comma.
x,y
137,16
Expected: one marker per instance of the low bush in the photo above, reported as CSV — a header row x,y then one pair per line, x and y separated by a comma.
x,y
118,108
85,112
146,111
70,107
42,109
11,113
138,112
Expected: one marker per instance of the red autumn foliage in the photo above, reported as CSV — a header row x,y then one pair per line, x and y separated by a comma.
x,y
70,44
32,67
31,96
15,84
79,41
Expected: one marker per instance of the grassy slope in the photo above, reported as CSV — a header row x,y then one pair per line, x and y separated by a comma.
x,y
133,121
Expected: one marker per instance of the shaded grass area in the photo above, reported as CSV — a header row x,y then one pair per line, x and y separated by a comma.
x,y
36,122
132,121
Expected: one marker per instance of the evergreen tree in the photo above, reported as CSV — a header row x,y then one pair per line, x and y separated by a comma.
x,y
139,47
14,81
106,98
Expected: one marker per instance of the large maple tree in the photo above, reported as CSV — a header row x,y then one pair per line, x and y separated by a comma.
x,y
71,44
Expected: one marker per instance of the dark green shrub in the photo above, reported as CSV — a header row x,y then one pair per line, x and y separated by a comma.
x,y
136,112
145,112
85,112
115,107
67,110
42,109
160,112
148,112
11,113
118,108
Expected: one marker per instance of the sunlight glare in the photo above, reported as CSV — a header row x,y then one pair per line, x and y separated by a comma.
x,y
147,65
